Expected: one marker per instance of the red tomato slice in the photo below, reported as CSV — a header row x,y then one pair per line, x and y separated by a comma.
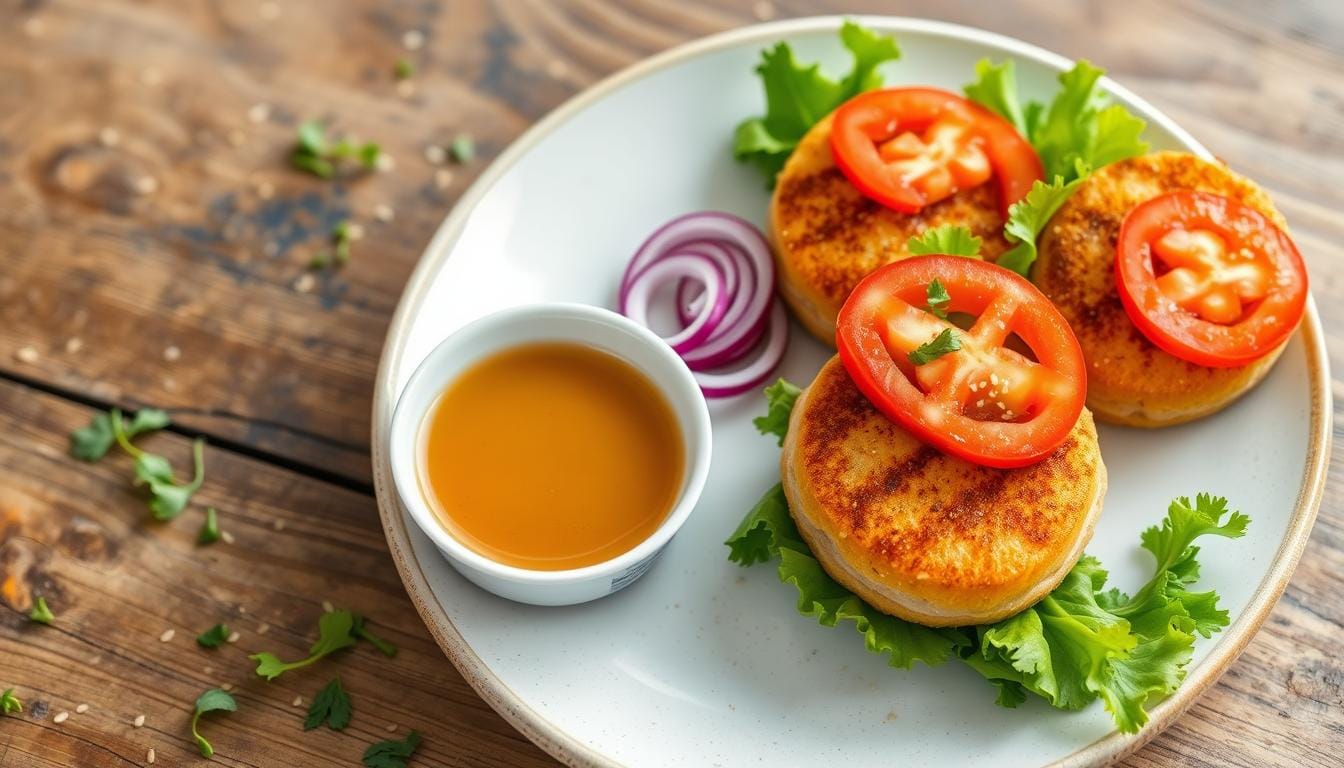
x,y
911,147
1209,279
984,402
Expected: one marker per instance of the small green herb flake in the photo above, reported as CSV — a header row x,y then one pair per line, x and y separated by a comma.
x,y
210,528
9,702
391,753
331,705
312,138
943,343
41,613
369,154
318,166
937,298
404,69
167,497
463,149
92,442
213,700
213,637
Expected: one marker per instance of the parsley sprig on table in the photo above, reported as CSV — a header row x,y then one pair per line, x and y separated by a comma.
x,y
331,705
391,753
320,156
333,634
41,614
213,637
167,497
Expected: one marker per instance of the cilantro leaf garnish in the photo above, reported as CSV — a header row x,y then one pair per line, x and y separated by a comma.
x,y
391,753
331,705
314,153
333,633
213,637
1027,219
798,96
92,442
41,613
940,345
403,69
1080,129
948,240
1081,643
781,396
9,702
210,528
937,298
213,700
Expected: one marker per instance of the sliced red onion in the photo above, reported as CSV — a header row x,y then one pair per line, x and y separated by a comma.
x,y
724,283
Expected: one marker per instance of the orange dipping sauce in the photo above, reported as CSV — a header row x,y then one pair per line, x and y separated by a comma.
x,y
552,456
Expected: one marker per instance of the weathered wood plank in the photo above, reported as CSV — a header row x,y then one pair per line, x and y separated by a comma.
x,y
206,259
79,534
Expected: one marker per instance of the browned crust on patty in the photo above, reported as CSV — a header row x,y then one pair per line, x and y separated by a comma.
x,y
828,236
925,536
1130,380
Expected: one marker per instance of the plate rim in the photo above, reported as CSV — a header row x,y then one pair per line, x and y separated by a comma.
x,y
570,750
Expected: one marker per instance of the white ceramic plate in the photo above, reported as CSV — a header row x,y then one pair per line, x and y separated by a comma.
x,y
704,663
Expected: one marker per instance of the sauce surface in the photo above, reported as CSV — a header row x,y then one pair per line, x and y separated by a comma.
x,y
551,456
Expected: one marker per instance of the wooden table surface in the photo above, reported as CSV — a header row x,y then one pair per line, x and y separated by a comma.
x,y
153,252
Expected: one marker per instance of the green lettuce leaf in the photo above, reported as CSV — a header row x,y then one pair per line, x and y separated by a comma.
x,y
798,96
780,398
1081,643
769,532
1080,129
1027,219
951,240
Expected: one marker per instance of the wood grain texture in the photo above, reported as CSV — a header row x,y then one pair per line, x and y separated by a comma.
x,y
102,272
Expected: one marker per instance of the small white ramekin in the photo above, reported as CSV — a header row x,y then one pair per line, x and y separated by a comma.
x,y
593,327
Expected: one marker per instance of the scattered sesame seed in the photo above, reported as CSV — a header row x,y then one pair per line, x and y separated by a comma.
x,y
109,137
384,213
763,10
354,231
73,345
405,88
172,353
61,717
169,383
386,163
167,635
305,283
413,39
146,185
259,113
150,76
436,155
26,355
443,178
265,190
226,687
263,629
298,701
391,728
269,11
226,537
556,69
208,670
233,637
138,722
327,606
81,709
242,609
149,756
278,524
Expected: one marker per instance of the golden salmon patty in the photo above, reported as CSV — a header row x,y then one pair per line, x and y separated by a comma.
x,y
928,537
1129,379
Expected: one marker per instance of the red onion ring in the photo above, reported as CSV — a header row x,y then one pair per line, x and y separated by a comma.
x,y
724,287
